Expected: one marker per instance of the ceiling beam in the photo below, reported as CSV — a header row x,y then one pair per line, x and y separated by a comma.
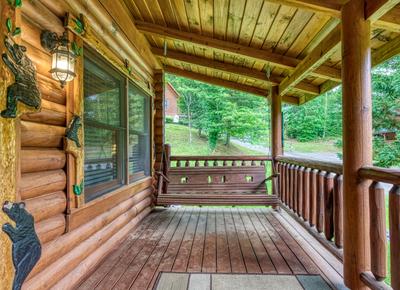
x,y
233,69
375,9
265,56
317,57
332,8
378,56
226,84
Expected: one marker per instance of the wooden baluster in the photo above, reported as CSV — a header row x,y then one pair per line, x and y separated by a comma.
x,y
320,201
187,163
253,163
234,163
328,205
291,182
295,188
377,230
224,163
300,174
287,183
178,163
281,180
262,163
338,211
284,184
243,163
306,194
313,196
197,163
215,163
394,225
205,163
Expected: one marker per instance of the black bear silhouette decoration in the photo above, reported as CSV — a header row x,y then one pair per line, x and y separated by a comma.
x,y
72,131
24,89
26,248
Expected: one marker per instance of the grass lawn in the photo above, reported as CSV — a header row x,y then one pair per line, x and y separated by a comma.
x,y
326,146
178,137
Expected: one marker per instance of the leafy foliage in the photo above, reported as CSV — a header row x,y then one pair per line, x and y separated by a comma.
x,y
220,113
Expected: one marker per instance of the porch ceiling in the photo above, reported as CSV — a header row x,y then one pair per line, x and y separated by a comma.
x,y
253,44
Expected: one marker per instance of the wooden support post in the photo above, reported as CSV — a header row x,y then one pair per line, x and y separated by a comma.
x,y
10,143
357,140
276,125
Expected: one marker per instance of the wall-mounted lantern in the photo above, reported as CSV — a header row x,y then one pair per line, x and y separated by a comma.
x,y
63,59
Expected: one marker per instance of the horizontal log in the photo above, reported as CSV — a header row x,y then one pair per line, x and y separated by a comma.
x,y
42,17
51,228
56,271
370,281
380,174
41,135
51,90
35,160
39,58
92,209
222,158
333,167
51,114
41,183
30,33
74,277
64,244
47,206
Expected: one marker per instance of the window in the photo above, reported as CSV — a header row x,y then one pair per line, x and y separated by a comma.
x,y
104,127
139,135
113,156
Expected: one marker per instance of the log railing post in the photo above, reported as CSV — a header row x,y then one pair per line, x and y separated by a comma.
x,y
357,139
276,126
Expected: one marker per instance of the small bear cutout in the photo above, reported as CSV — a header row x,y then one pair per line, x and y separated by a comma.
x,y
26,248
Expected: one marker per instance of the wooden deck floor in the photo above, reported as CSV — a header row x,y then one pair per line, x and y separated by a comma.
x,y
222,240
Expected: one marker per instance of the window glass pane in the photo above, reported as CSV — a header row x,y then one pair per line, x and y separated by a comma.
x,y
139,135
104,132
102,95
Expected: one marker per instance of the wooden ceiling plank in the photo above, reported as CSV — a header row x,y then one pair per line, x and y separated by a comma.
x,y
262,55
226,84
375,9
234,69
386,51
318,56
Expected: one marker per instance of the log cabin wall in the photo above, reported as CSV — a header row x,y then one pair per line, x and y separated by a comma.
x,y
74,235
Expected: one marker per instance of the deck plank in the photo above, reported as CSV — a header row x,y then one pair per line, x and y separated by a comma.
x,y
237,261
196,255
213,240
132,269
223,258
150,268
262,255
210,244
115,256
249,256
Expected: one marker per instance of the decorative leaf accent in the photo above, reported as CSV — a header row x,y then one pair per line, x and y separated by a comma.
x,y
9,25
18,3
78,189
17,31
10,2
76,49
78,25
130,70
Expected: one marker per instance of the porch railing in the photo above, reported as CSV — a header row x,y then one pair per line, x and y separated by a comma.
x,y
313,191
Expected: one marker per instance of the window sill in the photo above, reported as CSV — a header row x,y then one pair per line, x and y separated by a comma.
x,y
90,210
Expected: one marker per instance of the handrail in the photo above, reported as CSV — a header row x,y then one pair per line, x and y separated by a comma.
x,y
380,174
334,167
221,158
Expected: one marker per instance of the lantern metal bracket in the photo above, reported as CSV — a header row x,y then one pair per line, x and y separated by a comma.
x,y
50,40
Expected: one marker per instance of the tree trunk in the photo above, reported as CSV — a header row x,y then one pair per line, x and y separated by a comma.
x,y
228,138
